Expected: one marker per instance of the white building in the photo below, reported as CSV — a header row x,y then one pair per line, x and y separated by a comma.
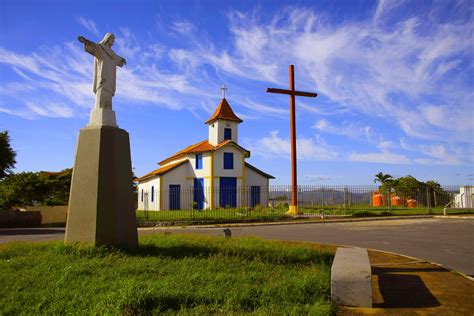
x,y
209,174
465,198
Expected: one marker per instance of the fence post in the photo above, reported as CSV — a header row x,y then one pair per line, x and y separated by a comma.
x,y
428,195
389,198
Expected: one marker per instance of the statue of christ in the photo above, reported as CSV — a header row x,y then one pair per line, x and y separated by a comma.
x,y
105,62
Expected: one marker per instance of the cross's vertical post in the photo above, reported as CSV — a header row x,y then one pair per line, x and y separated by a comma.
x,y
294,181
293,209
223,90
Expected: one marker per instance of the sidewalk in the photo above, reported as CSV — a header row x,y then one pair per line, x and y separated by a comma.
x,y
407,286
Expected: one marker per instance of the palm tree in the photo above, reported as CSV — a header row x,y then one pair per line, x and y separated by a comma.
x,y
382,178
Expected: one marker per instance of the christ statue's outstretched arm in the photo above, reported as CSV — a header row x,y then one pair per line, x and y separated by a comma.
x,y
90,47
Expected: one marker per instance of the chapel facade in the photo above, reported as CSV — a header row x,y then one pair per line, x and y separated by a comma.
x,y
207,175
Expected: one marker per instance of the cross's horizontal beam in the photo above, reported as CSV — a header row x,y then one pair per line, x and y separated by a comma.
x,y
299,93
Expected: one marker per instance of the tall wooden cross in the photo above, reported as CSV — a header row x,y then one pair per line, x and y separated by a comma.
x,y
293,93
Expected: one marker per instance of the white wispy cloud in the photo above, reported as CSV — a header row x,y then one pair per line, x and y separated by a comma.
x,y
51,110
268,109
64,73
439,154
273,146
318,178
376,69
349,129
89,25
385,157
183,27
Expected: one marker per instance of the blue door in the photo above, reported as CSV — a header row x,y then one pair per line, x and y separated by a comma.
x,y
254,195
175,196
198,198
228,192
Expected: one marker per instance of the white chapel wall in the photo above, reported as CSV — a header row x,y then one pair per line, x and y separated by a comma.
x,y
177,176
147,203
206,166
253,178
216,131
219,170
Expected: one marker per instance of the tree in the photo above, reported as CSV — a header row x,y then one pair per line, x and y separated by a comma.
x,y
382,178
29,188
407,187
7,155
20,189
437,194
385,181
55,186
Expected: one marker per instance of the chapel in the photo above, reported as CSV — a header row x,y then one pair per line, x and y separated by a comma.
x,y
209,174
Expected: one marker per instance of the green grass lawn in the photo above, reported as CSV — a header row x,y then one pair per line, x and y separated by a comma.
x,y
215,215
169,274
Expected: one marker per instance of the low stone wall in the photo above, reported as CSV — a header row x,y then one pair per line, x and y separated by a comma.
x,y
17,218
50,214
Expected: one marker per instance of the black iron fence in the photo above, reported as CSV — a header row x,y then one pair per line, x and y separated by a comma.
x,y
256,203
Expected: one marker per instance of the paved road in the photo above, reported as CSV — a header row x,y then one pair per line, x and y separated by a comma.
x,y
30,234
445,241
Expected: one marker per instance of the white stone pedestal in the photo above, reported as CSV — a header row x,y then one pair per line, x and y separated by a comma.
x,y
101,207
102,117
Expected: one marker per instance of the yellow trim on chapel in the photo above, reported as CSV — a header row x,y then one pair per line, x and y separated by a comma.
x,y
211,184
161,192
192,178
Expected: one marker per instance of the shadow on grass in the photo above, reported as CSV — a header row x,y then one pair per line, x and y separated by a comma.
x,y
263,255
404,290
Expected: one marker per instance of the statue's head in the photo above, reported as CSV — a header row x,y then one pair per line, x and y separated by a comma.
x,y
108,39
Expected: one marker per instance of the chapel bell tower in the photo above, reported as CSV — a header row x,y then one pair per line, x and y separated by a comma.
x,y
223,124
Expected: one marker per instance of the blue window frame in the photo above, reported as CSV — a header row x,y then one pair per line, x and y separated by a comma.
x,y
142,195
152,193
174,197
227,133
198,196
228,192
228,160
254,195
198,161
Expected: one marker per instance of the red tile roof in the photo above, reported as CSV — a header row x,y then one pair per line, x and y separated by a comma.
x,y
224,112
162,170
203,146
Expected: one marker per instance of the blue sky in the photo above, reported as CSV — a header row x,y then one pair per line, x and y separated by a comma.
x,y
395,81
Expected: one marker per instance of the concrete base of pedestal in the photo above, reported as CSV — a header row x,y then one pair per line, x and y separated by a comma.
x,y
101,200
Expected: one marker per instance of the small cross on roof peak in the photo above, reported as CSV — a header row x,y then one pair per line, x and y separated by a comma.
x,y
223,89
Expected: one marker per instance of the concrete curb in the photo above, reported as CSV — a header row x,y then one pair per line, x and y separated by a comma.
x,y
454,216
